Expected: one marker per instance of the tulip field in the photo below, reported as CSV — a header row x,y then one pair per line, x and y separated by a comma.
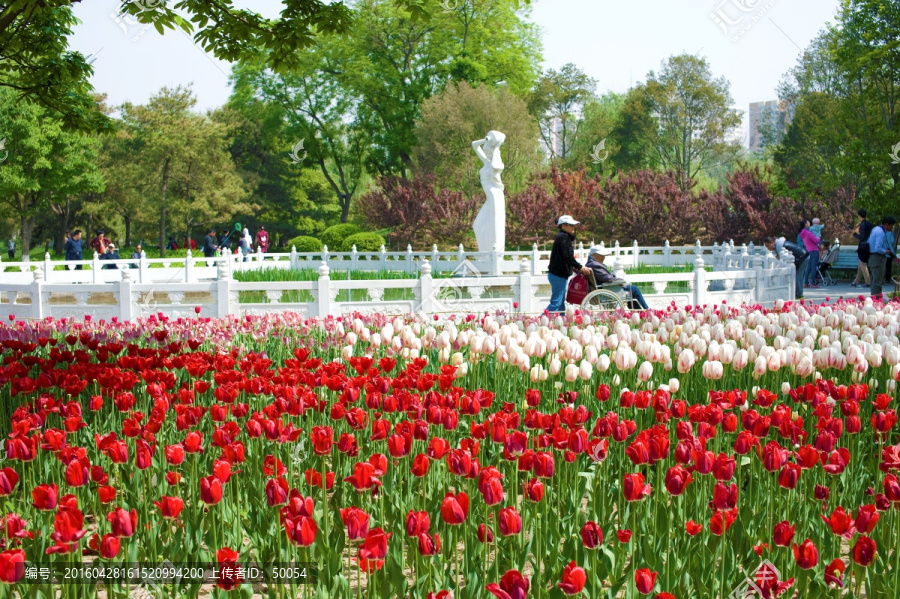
x,y
700,452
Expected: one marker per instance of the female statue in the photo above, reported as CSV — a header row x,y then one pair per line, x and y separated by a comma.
x,y
490,224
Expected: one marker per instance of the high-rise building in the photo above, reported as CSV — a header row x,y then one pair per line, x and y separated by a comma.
x,y
774,115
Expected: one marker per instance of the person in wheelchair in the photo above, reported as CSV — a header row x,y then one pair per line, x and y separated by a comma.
x,y
603,277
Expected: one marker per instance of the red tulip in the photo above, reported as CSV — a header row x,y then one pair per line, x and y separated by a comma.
x,y
634,487
645,580
485,534
193,442
123,523
109,546
512,586
301,530
175,454
276,491
723,468
866,518
173,478
8,480
510,522
356,521
789,475
692,528
322,440
44,497
892,487
784,534
840,522
12,565
721,521
534,490
429,545
106,494
421,464
806,555
169,507
864,551
417,523
724,498
314,479
363,478
834,573
624,535
455,508
677,480
210,490
228,577
374,547
573,579
591,535
68,525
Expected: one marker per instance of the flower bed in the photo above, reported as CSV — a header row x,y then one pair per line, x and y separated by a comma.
x,y
685,453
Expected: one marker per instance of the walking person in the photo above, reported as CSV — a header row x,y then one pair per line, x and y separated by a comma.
x,y
800,255
811,244
209,245
879,252
562,262
136,255
73,248
11,247
862,251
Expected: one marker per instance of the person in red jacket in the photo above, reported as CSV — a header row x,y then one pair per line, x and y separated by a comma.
x,y
262,240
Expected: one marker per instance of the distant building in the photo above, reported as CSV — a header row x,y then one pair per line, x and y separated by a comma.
x,y
775,115
556,133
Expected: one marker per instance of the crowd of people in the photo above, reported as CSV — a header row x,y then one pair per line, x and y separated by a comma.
x,y
876,253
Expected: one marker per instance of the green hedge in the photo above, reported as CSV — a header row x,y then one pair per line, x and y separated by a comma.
x,y
334,236
305,243
364,242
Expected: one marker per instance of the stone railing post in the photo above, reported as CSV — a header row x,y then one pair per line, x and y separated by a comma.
x,y
126,306
426,289
496,257
617,267
383,258
95,269
534,258
189,276
410,264
325,254
295,259
144,269
636,250
760,278
616,251
698,249
525,295
259,255
323,298
667,253
434,257
354,258
223,287
48,267
699,281
38,307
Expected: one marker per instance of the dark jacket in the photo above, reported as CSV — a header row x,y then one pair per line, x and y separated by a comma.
x,y
73,249
209,246
865,229
562,256
602,275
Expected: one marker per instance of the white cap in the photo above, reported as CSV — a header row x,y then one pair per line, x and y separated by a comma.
x,y
565,219
599,249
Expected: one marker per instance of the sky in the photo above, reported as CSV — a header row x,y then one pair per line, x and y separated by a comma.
x,y
617,42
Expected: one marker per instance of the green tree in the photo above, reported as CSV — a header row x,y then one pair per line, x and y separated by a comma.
x,y
34,55
460,114
695,121
558,101
595,149
185,158
42,161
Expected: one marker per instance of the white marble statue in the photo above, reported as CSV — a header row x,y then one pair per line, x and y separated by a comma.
x,y
490,224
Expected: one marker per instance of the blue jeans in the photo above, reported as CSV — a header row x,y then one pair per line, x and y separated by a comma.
x,y
557,293
636,295
801,275
813,268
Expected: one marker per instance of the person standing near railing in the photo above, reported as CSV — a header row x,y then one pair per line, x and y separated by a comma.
x,y
73,248
562,262
11,247
880,253
262,240
811,243
862,251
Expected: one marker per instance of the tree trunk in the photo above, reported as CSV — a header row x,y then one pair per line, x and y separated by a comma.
x,y
60,240
345,207
27,223
162,212
127,219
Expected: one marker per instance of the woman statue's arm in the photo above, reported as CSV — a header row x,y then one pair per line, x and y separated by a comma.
x,y
477,146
